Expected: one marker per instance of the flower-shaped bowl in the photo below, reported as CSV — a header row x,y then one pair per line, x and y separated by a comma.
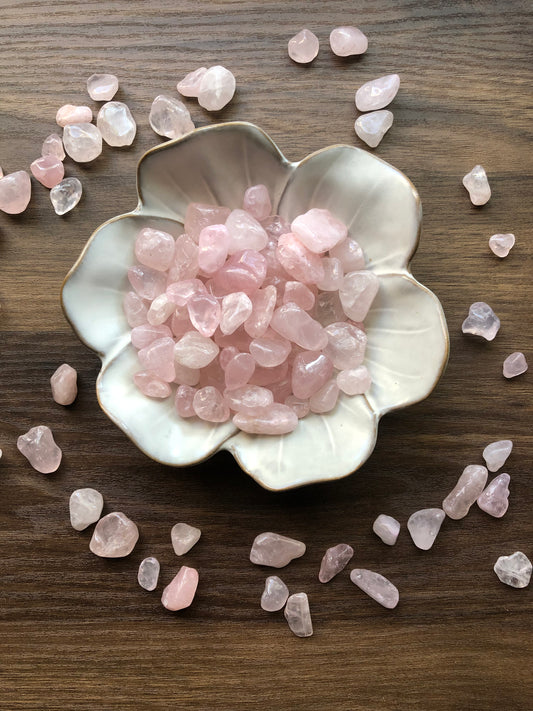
x,y
407,335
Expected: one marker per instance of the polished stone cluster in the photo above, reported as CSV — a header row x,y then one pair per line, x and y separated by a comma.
x,y
85,507
477,184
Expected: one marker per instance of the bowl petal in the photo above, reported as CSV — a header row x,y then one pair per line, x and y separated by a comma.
x,y
408,343
378,203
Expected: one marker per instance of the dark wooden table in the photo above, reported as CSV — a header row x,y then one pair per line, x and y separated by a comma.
x,y
76,632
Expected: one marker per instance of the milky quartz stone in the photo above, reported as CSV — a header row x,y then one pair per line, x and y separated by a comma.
x,y
213,245
158,358
275,419
373,126
270,349
195,351
378,93
147,282
354,381
135,310
300,407
334,561
469,486
346,345
184,537
66,195
250,399
325,398
303,47
333,275
180,592
245,232
199,215
148,574
204,312
152,385
358,291
319,230
477,184
494,500
300,294
64,384
53,146
298,615
274,595
116,124
15,192
481,321
190,84
257,202
102,87
514,570
275,550
295,324
160,310
85,507
495,454
48,170
347,41
515,364
298,261
376,586
114,536
82,141
501,244
40,449
170,117
216,89
183,401
387,528
73,114
424,526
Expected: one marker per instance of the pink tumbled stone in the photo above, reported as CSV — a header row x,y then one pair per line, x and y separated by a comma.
x,y
180,592
295,324
154,248
245,232
250,399
212,375
185,261
328,308
114,536
169,117
346,345
82,142
135,309
184,401
299,405
53,146
239,340
256,201
213,244
350,255
274,419
185,375
64,384
354,381
216,89
15,192
378,93
298,261
275,226
183,291
69,114
270,376
263,305
310,371
102,87
270,349
334,561
204,312
501,244
494,500
144,334
333,274
48,170
190,84
147,282
195,351
477,184
303,47
347,41
325,399
299,294
239,371
236,309
515,364
357,293
180,323
158,357
40,449
319,230
226,354
151,385
199,215
243,271
161,309
209,405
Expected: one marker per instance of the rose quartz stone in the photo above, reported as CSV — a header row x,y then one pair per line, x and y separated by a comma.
x,y
295,324
274,595
236,308
158,358
333,274
216,89
209,405
515,364
275,419
347,41
239,371
270,349
319,230
357,293
378,93
151,385
181,292
239,340
275,226
64,384
310,371
154,248
334,561
373,126
69,114
85,508
354,381
204,312
494,500
424,526
245,232
481,321
300,294
346,345
256,201
66,195
496,454
243,271
179,322
184,537
135,309
195,351
170,117
298,615
350,255
199,215
190,84
145,333
114,536
376,586
263,305
15,192
469,486
387,528
82,142
180,592
298,261
226,354
325,399
183,401
250,399
477,184
116,124
48,170
328,308
501,244
303,47
213,244
275,550
185,262
40,449
53,146
160,310
186,376
147,282
102,87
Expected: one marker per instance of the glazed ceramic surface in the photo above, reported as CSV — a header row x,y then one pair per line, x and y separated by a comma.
x,y
407,335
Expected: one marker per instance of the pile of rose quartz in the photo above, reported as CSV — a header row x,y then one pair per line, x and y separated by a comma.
x,y
251,317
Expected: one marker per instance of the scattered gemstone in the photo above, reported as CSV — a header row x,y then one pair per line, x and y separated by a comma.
x,y
180,592
116,124
354,381
53,146
69,114
170,117
85,507
424,526
376,586
494,500
209,405
274,595
515,364
102,87
373,126
40,449
274,419
64,384
148,574
469,486
477,184
15,192
114,536
378,93
495,454
514,570
346,345
48,170
334,561
333,275
216,89
298,261
190,84
295,324
303,47
319,230
66,195
501,245
387,528
347,41
298,615
275,550
82,141
184,537
481,321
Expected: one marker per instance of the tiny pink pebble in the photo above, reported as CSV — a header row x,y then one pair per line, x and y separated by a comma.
x,y
64,384
185,375
226,354
180,592
199,215
325,399
40,449
152,386
102,87
181,292
257,202
53,146
514,365
69,114
209,405
299,294
184,399
213,244
354,381
185,262
333,274
190,84
263,305
160,310
303,47
299,405
501,244
298,261
347,41
147,282
15,192
250,399
350,255
48,170
319,230
239,371
154,248
295,324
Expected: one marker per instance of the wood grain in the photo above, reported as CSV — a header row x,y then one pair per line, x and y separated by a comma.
x,y
76,632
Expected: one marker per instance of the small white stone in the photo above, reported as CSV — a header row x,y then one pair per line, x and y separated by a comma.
x,y
217,88
275,594
116,124
148,574
373,126
514,570
170,117
184,537
66,195
424,526
102,87
495,454
387,528
82,142
298,615
85,507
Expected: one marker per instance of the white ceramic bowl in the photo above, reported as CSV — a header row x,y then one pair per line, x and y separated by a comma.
x,y
407,335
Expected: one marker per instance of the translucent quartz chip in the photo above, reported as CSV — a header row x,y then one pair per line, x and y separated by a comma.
x,y
195,351
334,561
354,381
387,528
243,271
152,385
378,93
184,537
300,294
66,195
275,419
350,255
376,586
514,570
40,449
216,89
180,592
68,114
184,399
298,615
274,595
116,124
300,407
515,364
346,345
347,41
263,305
82,141
147,282
199,215
64,384
154,248
204,312
333,274
298,261
357,293
190,84
209,404
148,574
15,192
102,87
494,500
477,184
469,486
186,376
501,245
325,399
158,358
495,454
53,146
245,232
424,526
256,201
185,263
319,230
114,536
373,126
250,399
181,292
295,324
213,245
135,310
270,349
310,371
48,170
275,550
303,47
85,507
170,117
481,321
275,225
236,308
239,370
328,308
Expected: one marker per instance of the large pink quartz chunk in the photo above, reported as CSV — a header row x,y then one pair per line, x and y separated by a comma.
x,y
180,592
263,305
68,114
199,215
114,536
85,508
501,244
82,141
151,385
298,615
209,405
245,232
15,192
424,526
275,419
170,117
334,561
378,93
324,399
239,370
154,248
40,449
216,89
64,384
347,41
275,550
494,500
250,399
495,454
274,595
213,245
270,349
185,264
53,146
256,201
354,381
204,312
236,308
310,371
158,357
295,324
515,364
184,537
357,293
477,184
376,586
48,170
190,84
387,528
346,345
350,255
303,47
147,282
373,126
116,124
195,351
102,87
319,230
298,261
469,486
481,321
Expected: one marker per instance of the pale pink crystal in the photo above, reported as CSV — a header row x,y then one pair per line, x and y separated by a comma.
x,y
239,339
199,215
102,87
295,324
48,170
469,486
154,248
245,232
373,126
116,124
40,449
515,364
256,201
275,419
424,526
64,384
66,195
357,293
300,294
481,321
477,184
183,401
298,615
303,47
151,385
494,500
274,595
195,351
170,117
387,528
213,244
226,354
298,261
275,226
250,399
325,399
495,454
263,305
15,192
216,89
82,141
243,271
328,308
311,370
145,333
158,358
53,146
334,561
69,114
204,312
239,371
376,94
354,381
346,345
183,291
236,308
501,244
185,262
347,41
190,84
180,592
160,310
114,536
147,282
148,573
275,550
319,230
135,309
350,255
333,274
377,586
209,405
85,508
301,407
184,537
270,349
